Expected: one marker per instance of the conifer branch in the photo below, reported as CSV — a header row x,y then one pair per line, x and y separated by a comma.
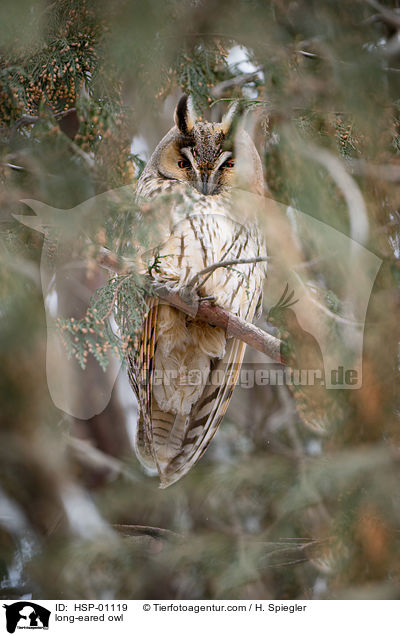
x,y
114,298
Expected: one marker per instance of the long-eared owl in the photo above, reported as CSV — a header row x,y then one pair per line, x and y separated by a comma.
x,y
184,370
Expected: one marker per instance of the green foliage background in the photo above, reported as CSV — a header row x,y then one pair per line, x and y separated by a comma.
x,y
263,515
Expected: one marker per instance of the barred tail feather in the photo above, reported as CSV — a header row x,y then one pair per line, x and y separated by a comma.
x,y
206,416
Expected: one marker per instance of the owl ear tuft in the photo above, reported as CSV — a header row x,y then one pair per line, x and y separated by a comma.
x,y
184,115
232,117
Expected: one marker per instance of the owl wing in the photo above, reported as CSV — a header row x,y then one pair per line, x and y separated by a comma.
x,y
140,373
188,436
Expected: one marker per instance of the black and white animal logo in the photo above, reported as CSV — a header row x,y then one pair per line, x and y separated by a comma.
x,y
26,615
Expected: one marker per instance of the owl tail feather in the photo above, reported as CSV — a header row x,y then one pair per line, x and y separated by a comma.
x,y
206,415
168,432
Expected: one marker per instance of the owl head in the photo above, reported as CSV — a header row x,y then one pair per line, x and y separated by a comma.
x,y
211,157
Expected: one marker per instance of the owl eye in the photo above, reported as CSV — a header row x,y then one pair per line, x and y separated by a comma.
x,y
228,164
183,163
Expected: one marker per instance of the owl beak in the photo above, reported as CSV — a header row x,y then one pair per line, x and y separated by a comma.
x,y
205,184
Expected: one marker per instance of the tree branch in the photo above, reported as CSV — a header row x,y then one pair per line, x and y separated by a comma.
x,y
386,172
26,120
204,310
385,14
232,325
236,81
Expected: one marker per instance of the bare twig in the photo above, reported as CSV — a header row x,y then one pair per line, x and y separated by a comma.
x,y
211,268
95,459
386,172
225,254
386,15
359,224
63,113
239,80
25,120
307,54
84,155
13,166
28,120
151,531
